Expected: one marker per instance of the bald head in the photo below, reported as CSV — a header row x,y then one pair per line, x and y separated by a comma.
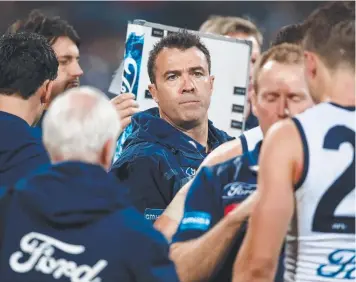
x,y
82,125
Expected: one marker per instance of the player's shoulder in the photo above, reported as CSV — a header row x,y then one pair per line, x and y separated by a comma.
x,y
214,176
317,111
230,165
324,115
255,133
281,129
282,136
225,171
250,138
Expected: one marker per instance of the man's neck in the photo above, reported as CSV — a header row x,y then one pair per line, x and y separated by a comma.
x,y
17,106
198,132
341,89
87,159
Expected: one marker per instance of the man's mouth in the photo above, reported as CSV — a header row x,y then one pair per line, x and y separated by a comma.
x,y
73,84
189,102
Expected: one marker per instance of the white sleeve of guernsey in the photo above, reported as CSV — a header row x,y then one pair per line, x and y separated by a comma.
x,y
253,136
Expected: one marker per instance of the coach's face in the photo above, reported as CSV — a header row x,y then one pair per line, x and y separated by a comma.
x,y
69,69
282,93
183,86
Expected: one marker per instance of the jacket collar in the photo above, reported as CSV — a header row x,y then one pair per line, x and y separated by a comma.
x,y
149,126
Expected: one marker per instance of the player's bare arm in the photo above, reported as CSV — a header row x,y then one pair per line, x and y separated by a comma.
x,y
187,254
168,222
223,153
280,166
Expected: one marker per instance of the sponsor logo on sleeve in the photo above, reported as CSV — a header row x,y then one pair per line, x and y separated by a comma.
x,y
196,220
153,214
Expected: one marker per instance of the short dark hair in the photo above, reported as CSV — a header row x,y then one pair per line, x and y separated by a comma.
x,y
292,34
51,28
26,62
330,33
181,40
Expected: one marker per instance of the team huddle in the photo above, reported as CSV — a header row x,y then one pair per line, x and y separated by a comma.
x,y
184,201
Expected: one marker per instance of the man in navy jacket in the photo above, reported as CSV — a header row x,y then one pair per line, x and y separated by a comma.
x,y
68,221
28,67
170,142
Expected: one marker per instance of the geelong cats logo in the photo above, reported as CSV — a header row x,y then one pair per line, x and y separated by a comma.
x,y
127,86
39,249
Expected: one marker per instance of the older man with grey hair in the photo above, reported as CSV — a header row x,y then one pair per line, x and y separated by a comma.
x,y
82,126
69,221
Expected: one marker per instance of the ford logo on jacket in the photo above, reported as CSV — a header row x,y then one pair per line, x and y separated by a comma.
x,y
70,222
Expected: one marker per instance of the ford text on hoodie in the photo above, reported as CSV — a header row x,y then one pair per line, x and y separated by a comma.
x,y
69,222
158,159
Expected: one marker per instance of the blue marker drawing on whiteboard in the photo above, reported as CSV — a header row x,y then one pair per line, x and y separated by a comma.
x,y
130,78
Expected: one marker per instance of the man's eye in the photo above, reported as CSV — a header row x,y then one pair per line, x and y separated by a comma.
x,y
296,98
171,77
63,62
198,74
271,98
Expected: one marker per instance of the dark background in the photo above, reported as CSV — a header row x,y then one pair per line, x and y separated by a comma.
x,y
102,25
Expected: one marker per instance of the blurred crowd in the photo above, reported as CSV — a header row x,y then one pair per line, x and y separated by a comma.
x,y
102,25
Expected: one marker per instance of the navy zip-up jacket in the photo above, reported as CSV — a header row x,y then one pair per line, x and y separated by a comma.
x,y
70,222
21,149
158,159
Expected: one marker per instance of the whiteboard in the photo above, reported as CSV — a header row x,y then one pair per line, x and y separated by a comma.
x,y
230,59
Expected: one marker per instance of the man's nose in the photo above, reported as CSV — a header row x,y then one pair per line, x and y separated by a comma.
x,y
188,84
283,110
76,70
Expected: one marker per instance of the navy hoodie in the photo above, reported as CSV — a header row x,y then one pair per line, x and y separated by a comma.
x,y
71,223
21,149
158,159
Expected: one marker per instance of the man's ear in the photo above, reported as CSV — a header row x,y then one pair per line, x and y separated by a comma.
x,y
253,103
107,154
46,91
310,64
153,90
211,80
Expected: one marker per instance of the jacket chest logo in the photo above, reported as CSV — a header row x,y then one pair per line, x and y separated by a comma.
x,y
190,171
238,190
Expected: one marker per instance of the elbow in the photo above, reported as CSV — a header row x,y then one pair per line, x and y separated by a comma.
x,y
166,226
178,254
262,273
258,270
